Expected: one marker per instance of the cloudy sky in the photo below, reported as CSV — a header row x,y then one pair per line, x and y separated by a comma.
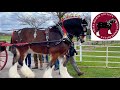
x,y
8,20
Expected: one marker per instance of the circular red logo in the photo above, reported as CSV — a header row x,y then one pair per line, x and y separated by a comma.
x,y
105,25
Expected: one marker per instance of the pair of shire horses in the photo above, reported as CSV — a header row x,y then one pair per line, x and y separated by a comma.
x,y
46,41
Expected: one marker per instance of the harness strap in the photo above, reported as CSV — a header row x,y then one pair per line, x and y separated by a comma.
x,y
35,34
45,43
47,37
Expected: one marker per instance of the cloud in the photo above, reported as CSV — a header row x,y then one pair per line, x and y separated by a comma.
x,y
8,20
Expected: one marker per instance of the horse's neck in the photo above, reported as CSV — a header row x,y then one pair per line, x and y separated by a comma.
x,y
109,21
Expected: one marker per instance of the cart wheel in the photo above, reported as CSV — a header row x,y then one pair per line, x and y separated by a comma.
x,y
3,59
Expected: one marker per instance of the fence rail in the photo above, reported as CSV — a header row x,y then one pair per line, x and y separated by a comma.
x,y
109,59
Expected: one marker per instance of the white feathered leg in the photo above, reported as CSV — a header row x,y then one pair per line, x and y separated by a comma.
x,y
13,71
48,73
109,32
26,71
97,33
63,70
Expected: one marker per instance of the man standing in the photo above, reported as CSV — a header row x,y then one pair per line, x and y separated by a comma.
x,y
70,57
38,57
28,60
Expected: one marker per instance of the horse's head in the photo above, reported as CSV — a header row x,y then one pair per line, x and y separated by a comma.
x,y
112,20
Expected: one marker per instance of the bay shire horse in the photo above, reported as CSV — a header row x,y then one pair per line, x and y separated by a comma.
x,y
107,25
46,41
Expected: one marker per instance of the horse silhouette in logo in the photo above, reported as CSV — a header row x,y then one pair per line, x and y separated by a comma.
x,y
107,24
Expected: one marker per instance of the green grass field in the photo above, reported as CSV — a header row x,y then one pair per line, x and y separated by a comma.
x,y
98,72
5,38
93,72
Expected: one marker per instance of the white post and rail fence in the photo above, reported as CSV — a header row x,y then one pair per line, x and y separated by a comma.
x,y
102,54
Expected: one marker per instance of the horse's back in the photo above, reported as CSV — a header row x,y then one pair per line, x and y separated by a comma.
x,y
32,35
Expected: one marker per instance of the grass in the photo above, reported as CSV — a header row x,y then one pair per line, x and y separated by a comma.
x,y
94,72
101,71
5,38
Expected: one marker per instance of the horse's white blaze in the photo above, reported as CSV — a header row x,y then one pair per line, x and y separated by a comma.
x,y
109,31
63,70
13,71
48,73
26,71
97,33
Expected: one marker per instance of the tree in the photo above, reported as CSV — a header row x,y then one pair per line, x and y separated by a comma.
x,y
34,20
61,14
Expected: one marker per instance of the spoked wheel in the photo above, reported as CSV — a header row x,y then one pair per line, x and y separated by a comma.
x,y
3,59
